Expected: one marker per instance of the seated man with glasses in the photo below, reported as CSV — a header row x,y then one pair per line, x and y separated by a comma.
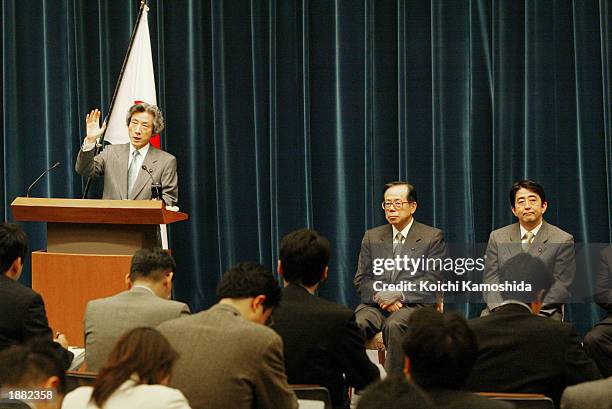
x,y
394,259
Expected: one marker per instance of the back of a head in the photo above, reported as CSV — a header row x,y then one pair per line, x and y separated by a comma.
x,y
151,264
528,269
441,348
13,244
31,365
249,279
394,392
143,351
304,254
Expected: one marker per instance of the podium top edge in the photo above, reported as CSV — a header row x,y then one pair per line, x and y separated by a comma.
x,y
88,203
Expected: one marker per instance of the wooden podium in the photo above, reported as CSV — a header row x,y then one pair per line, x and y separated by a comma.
x,y
90,244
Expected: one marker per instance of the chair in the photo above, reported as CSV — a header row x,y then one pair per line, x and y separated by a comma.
x,y
312,392
74,379
522,400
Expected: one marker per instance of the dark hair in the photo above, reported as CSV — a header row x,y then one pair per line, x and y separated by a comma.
x,y
441,347
411,194
158,118
30,364
523,267
529,185
304,254
152,264
143,351
13,244
395,392
250,279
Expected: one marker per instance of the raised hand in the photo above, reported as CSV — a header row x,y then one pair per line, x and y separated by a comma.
x,y
94,131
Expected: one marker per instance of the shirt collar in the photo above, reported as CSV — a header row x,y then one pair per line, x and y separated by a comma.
x,y
143,151
143,286
515,302
405,231
534,231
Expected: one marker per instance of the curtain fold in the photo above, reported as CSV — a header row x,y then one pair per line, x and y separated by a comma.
x,y
295,113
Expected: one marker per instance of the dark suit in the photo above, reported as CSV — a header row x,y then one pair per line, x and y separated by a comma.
x,y
113,161
598,341
519,352
422,242
23,317
551,245
321,343
457,399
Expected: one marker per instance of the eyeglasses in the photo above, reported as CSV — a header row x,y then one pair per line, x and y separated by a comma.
x,y
396,204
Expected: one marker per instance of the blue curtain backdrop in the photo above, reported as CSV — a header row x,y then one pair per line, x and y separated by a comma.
x,y
293,113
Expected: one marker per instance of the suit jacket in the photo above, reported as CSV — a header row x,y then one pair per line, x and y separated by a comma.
x,y
422,242
458,399
129,395
519,352
589,395
113,161
227,361
107,319
603,292
24,318
551,245
321,343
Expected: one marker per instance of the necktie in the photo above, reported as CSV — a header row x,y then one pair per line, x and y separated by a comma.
x,y
397,248
133,171
528,237
399,240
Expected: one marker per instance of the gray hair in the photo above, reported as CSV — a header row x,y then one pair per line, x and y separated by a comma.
x,y
158,118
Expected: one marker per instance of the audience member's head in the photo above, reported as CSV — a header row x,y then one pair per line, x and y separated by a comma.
x,y
141,351
440,349
154,268
13,250
395,392
303,258
35,366
250,288
530,270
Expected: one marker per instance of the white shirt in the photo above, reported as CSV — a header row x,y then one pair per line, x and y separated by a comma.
x,y
129,395
534,231
404,232
143,152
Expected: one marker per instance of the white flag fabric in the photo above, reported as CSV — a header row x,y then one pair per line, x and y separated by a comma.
x,y
137,84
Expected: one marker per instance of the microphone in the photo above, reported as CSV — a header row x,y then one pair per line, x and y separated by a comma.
x,y
149,172
49,169
156,188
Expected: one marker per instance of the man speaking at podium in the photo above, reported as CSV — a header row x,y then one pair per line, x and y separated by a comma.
x,y
129,169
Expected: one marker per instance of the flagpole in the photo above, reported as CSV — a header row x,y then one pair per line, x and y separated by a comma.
x,y
100,145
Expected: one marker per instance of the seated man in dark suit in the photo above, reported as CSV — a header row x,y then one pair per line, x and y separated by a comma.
x,y
521,352
321,339
440,352
146,303
395,392
23,314
34,367
598,341
395,260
